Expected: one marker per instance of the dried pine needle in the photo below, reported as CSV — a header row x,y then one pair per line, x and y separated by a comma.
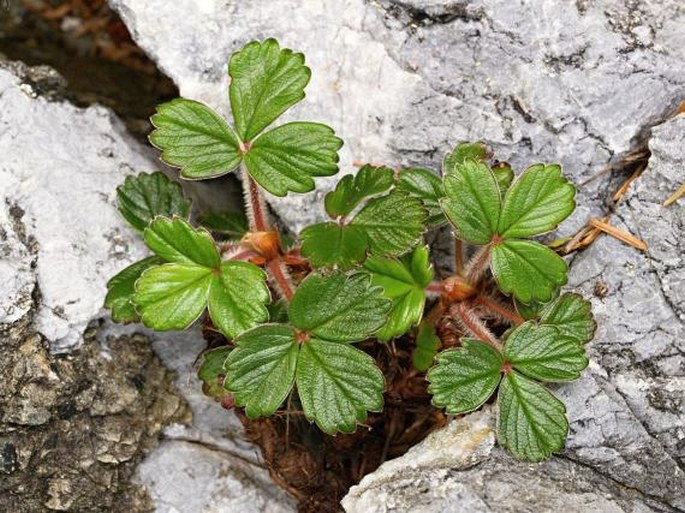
x,y
618,234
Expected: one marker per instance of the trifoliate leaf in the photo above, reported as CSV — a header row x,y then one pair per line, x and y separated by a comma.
x,y
175,240
426,186
265,82
120,290
172,296
338,307
287,157
504,175
337,385
532,422
427,346
531,271
211,371
472,203
238,298
536,202
260,371
393,224
329,244
404,281
232,225
572,314
464,151
351,190
145,196
544,353
194,138
466,377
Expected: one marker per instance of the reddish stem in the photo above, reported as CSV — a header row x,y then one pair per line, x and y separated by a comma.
x,y
281,278
459,257
500,310
435,286
478,264
474,325
256,209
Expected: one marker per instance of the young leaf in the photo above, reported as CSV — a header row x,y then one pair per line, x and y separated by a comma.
x,y
351,190
260,371
175,240
195,139
427,346
393,224
278,311
172,296
527,269
233,225
330,244
472,203
464,151
265,82
426,186
120,290
572,314
538,200
338,308
211,371
238,297
145,196
287,157
403,281
504,175
543,353
532,422
337,385
466,377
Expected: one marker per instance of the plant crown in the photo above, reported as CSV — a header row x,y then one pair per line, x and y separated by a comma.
x,y
365,273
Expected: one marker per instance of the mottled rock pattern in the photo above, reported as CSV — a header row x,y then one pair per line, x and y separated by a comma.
x,y
73,428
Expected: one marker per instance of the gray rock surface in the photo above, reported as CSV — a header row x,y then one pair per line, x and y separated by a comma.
x,y
82,401
577,82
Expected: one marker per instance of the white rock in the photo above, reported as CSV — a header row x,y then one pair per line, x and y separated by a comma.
x,y
60,169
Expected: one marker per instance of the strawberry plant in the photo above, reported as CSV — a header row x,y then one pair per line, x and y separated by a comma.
x,y
291,314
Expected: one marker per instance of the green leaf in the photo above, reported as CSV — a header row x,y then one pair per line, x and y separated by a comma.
x,y
278,311
472,203
238,297
504,175
530,310
536,202
265,82
544,353
175,240
403,281
466,377
464,151
145,196
572,314
338,307
233,225
531,271
426,186
260,371
427,346
329,244
532,422
212,372
337,385
351,190
195,139
172,296
120,290
287,157
393,224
